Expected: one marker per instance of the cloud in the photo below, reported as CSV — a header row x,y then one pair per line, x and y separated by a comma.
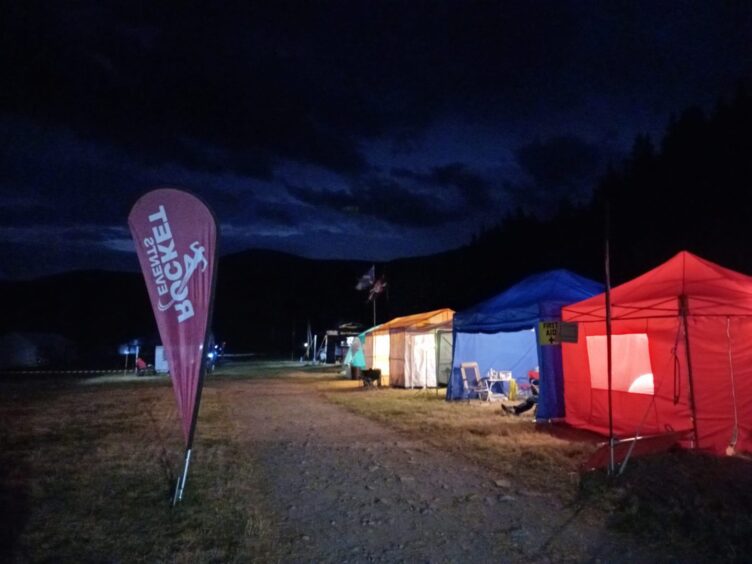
x,y
279,214
359,115
253,88
241,87
471,189
381,199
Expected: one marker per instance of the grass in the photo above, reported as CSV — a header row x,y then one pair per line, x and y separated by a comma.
x,y
87,474
684,499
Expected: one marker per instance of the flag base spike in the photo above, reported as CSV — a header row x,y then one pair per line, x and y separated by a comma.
x,y
180,486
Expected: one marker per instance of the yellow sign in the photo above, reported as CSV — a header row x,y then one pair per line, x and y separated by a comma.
x,y
548,333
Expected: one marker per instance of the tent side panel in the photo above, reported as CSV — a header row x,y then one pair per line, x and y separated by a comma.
x,y
465,345
411,378
577,391
423,360
741,347
551,400
397,357
444,369
722,385
586,398
368,349
381,353
516,351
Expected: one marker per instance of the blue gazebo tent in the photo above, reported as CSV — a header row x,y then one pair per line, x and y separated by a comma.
x,y
501,333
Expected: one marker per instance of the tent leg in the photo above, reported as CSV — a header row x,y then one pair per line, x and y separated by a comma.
x,y
626,458
684,309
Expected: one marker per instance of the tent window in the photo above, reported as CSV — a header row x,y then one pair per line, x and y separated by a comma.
x,y
631,371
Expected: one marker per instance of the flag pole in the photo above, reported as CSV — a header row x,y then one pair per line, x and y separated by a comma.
x,y
373,269
180,486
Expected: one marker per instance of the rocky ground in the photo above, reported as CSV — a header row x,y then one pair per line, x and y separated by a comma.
x,y
347,489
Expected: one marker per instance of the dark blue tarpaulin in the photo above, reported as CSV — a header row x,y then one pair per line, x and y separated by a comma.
x,y
500,333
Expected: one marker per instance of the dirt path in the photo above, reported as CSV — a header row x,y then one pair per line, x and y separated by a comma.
x,y
350,490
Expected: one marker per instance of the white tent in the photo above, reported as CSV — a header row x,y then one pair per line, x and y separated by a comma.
x,y
389,350
428,355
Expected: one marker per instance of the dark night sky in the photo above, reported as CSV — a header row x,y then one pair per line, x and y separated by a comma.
x,y
366,130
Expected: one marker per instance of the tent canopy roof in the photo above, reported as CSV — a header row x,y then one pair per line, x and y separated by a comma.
x,y
432,327
709,289
524,304
417,320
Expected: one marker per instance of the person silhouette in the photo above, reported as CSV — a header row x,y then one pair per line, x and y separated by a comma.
x,y
529,403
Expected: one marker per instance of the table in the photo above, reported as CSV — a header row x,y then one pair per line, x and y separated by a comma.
x,y
500,376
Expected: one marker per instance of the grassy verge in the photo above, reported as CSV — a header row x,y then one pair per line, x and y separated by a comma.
x,y
86,474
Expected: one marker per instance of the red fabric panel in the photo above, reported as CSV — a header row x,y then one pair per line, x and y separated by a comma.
x,y
588,408
714,385
176,240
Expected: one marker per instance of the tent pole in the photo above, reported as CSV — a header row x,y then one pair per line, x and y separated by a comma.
x,y
684,308
309,341
611,463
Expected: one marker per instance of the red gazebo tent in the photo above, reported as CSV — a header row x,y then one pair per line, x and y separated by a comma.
x,y
681,356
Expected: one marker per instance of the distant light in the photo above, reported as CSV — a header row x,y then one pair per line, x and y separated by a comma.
x,y
127,349
305,345
211,355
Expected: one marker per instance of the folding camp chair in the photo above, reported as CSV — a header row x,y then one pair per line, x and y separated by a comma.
x,y
477,386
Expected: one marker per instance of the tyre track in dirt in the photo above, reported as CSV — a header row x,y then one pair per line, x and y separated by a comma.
x,y
347,489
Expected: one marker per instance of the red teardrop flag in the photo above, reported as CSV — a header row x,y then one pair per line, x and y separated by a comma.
x,y
176,242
